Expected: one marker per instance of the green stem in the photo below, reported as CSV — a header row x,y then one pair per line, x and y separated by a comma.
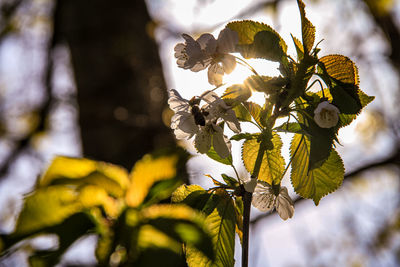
x,y
247,197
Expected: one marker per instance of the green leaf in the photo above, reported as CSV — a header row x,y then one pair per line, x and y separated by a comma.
x,y
266,45
273,164
46,207
266,84
68,232
242,113
318,182
230,181
221,219
259,40
214,155
181,223
307,29
340,68
255,111
292,127
299,48
236,94
221,222
146,173
81,171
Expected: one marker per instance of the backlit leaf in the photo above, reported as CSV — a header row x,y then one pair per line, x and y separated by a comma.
x,y
222,223
242,113
47,207
235,94
181,223
318,182
145,173
214,155
81,171
340,68
273,164
255,111
307,29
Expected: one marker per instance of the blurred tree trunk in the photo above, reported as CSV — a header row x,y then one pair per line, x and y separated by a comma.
x,y
118,74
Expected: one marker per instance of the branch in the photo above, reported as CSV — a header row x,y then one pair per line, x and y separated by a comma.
x,y
392,160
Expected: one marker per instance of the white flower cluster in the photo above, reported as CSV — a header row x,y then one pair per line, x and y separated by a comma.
x,y
207,51
203,122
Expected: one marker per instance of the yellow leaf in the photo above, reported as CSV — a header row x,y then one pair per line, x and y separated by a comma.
x,y
341,68
145,173
81,171
273,164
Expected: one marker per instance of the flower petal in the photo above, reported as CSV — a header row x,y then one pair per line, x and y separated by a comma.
x,y
228,63
215,73
221,144
208,43
202,141
176,102
284,204
231,120
227,40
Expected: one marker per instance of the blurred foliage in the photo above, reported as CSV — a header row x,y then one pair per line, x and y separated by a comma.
x,y
78,196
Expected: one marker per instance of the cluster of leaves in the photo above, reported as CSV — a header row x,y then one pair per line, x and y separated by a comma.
x,y
316,168
76,197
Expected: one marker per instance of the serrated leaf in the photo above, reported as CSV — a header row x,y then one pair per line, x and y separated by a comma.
x,y
146,173
340,68
318,182
183,191
235,94
255,111
307,29
273,164
212,154
242,113
255,37
299,48
221,222
266,45
81,171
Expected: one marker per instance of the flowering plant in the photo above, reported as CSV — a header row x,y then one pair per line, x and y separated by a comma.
x,y
313,117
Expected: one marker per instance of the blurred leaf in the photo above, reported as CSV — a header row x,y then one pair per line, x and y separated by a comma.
x,y
80,171
68,232
146,173
273,164
91,196
307,29
318,182
181,223
46,207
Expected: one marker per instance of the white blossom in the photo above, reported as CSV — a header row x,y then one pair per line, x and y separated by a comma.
x,y
207,51
217,108
265,199
185,127
326,115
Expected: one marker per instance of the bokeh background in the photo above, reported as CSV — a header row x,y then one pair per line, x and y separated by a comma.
x,y
89,78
